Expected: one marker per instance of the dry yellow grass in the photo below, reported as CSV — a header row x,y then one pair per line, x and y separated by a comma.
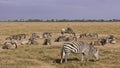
x,y
39,56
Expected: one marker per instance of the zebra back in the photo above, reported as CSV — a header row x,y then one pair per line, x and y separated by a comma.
x,y
75,47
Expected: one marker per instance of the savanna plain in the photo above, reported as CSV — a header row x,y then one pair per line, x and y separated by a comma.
x,y
41,56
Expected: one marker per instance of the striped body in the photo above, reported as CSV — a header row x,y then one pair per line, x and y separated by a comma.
x,y
74,47
79,48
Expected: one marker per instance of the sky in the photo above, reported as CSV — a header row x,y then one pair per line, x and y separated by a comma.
x,y
59,9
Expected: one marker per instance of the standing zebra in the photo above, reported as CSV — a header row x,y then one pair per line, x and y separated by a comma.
x,y
79,48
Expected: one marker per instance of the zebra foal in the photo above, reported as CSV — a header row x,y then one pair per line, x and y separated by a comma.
x,y
79,48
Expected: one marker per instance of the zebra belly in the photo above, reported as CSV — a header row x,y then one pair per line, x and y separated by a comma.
x,y
71,51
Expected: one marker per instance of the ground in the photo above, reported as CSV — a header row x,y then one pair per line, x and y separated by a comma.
x,y
39,56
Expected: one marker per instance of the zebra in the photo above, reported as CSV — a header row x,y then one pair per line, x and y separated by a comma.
x,y
101,41
16,37
22,36
96,42
47,41
36,35
60,39
79,48
92,35
67,30
65,38
107,39
32,40
111,39
47,35
10,45
83,35
71,38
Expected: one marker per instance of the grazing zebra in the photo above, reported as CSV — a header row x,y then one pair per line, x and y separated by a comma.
x,y
79,48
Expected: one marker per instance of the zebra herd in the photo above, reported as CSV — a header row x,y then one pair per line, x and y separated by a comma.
x,y
73,45
104,40
83,48
83,35
12,41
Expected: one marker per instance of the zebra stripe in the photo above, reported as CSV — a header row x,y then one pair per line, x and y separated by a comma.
x,y
71,47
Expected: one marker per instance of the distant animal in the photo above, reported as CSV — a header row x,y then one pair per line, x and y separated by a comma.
x,y
83,35
96,42
71,38
108,39
9,45
92,35
36,35
16,37
47,35
100,41
79,48
32,41
60,39
8,38
103,41
47,41
64,38
67,30
113,41
23,36
111,37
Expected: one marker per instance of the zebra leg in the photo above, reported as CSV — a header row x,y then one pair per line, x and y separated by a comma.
x,y
62,56
82,57
87,58
61,60
66,55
